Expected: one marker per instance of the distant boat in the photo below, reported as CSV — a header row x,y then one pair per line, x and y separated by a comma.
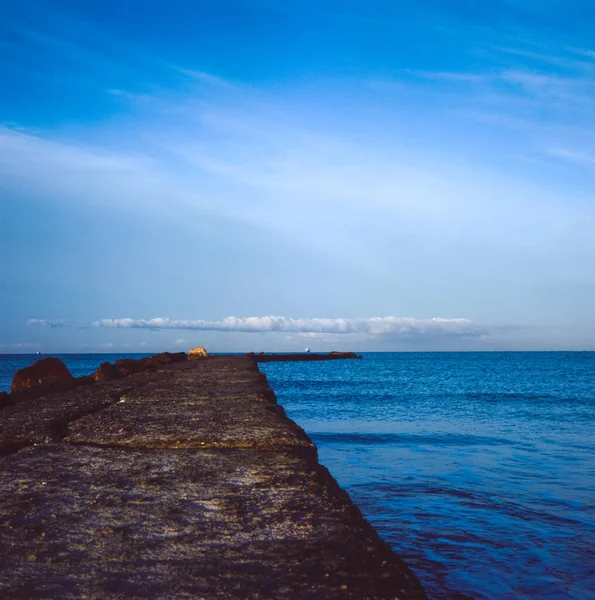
x,y
307,350
38,353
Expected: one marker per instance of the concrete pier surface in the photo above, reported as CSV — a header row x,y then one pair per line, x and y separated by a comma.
x,y
185,482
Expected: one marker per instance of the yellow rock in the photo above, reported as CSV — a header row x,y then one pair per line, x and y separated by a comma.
x,y
197,353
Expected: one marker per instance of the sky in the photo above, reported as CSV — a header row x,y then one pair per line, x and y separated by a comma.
x,y
266,175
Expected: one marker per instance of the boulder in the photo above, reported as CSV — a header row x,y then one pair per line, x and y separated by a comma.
x,y
197,353
85,380
130,366
164,358
48,374
106,372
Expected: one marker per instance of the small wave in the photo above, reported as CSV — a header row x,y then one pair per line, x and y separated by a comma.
x,y
473,499
509,396
408,439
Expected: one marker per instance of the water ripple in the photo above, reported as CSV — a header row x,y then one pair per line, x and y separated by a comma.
x,y
406,439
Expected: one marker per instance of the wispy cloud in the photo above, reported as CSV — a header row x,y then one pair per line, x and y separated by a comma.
x,y
539,91
578,158
523,88
244,157
207,78
93,53
52,323
70,172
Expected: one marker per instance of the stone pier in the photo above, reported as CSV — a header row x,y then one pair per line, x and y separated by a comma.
x,y
185,482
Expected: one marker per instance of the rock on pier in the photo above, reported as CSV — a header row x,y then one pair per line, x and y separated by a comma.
x,y
184,481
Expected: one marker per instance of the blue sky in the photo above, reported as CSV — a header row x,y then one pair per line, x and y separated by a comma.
x,y
263,175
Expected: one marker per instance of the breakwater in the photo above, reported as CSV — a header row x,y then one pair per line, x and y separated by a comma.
x,y
302,356
181,479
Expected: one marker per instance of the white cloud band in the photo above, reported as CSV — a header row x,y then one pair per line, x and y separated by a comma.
x,y
373,326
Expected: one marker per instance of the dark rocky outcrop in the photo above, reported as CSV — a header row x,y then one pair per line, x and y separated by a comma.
x,y
50,375
185,483
106,372
130,366
85,380
47,375
164,358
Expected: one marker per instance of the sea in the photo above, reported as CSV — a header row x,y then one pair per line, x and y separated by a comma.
x,y
477,468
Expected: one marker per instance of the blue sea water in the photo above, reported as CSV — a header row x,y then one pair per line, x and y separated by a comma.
x,y
478,468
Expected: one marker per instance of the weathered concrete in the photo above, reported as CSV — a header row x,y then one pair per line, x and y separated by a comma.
x,y
44,419
189,482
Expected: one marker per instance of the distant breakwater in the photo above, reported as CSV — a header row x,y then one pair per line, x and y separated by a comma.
x,y
302,356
